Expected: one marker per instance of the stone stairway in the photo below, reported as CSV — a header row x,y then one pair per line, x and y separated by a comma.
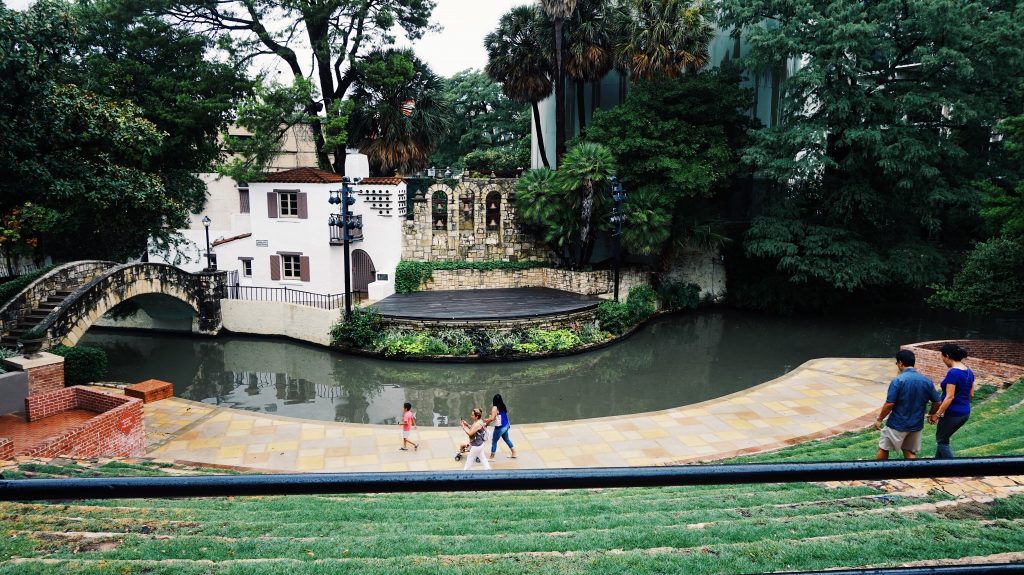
x,y
35,317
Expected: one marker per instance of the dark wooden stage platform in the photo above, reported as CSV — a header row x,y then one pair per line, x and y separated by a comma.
x,y
484,304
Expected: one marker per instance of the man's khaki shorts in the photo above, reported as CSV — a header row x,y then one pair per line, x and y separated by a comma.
x,y
893,440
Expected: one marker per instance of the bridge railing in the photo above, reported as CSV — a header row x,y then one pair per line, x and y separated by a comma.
x,y
288,295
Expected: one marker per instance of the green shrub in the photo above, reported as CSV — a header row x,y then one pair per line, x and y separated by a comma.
x,y
6,352
82,364
641,303
553,340
401,342
11,288
613,317
526,347
592,333
360,329
679,296
410,275
37,332
503,159
458,341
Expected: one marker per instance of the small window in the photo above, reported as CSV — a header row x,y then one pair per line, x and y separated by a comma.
x,y
243,198
493,211
439,210
247,268
289,203
291,267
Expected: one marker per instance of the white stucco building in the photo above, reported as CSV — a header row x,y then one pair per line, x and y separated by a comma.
x,y
275,232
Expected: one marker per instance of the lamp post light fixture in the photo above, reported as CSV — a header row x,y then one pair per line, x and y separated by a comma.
x,y
347,222
206,224
618,218
448,173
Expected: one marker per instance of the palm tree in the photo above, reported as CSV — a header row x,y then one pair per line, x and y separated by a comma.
x,y
397,138
517,59
665,37
558,11
589,54
585,167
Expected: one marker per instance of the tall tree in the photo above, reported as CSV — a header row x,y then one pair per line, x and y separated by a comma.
x,y
885,125
517,59
558,11
482,118
678,143
400,115
665,37
79,172
339,33
589,54
585,168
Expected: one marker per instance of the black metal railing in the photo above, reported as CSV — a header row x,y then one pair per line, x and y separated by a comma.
x,y
289,295
500,480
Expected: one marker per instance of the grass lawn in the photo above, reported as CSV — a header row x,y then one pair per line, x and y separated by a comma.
x,y
694,530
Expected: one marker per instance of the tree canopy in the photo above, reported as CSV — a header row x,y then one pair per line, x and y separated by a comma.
x,y
885,125
87,165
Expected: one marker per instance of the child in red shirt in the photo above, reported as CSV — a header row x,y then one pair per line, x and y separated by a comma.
x,y
408,422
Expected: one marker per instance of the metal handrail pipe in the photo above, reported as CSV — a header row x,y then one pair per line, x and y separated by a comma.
x,y
989,569
501,480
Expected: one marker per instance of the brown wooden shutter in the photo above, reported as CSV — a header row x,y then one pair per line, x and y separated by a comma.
x,y
303,262
275,267
271,204
303,209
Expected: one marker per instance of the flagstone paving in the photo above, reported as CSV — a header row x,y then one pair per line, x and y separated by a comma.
x,y
819,399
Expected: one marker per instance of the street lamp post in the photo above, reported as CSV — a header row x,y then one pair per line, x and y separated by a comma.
x,y
348,223
618,218
206,224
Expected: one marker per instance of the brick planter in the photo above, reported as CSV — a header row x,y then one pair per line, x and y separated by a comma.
x,y
992,361
116,431
150,390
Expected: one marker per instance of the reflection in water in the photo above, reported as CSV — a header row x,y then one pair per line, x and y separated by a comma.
x,y
676,361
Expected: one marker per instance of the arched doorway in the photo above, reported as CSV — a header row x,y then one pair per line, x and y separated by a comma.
x,y
363,272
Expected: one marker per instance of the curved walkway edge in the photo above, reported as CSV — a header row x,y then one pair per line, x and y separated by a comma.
x,y
821,398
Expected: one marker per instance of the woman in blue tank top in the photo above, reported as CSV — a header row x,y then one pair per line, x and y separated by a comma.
x,y
957,391
499,416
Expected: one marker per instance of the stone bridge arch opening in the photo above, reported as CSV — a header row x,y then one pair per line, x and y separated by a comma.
x,y
154,311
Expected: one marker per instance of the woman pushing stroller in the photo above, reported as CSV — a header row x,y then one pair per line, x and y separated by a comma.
x,y
477,434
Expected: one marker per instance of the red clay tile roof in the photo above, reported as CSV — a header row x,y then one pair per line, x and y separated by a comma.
x,y
384,181
223,241
301,176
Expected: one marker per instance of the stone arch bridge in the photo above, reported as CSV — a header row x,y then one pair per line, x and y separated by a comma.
x,y
68,299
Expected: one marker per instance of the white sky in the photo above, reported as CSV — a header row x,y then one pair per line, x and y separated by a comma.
x,y
458,47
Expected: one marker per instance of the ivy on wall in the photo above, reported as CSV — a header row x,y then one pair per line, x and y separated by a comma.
x,y
410,274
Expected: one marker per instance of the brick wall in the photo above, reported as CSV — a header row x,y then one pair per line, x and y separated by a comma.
x,y
116,431
45,378
6,448
992,361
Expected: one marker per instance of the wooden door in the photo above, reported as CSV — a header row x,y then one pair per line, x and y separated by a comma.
x,y
363,271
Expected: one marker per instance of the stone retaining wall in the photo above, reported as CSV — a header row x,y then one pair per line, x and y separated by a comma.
x,y
550,322
116,431
992,361
299,322
589,283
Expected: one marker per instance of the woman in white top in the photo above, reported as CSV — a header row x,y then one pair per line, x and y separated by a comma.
x,y
477,433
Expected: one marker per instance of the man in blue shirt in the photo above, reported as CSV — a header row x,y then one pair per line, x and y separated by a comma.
x,y
905,401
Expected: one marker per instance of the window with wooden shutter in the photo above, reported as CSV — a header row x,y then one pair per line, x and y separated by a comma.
x,y
291,266
275,267
303,210
288,204
304,268
271,204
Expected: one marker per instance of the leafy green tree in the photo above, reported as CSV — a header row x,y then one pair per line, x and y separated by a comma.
x,y
585,168
516,58
83,165
338,33
884,126
589,53
547,212
677,144
393,137
482,118
991,279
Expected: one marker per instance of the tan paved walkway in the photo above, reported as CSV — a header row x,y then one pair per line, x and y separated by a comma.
x,y
820,398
